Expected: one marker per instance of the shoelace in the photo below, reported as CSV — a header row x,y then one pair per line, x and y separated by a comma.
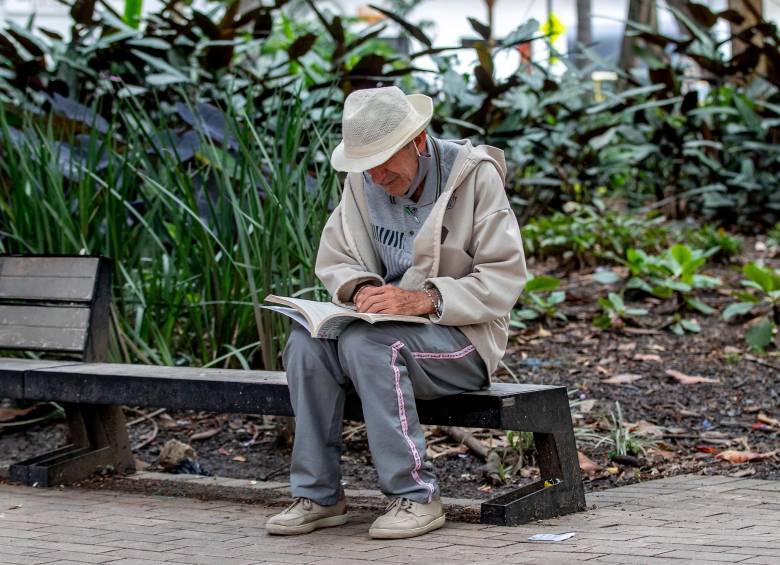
x,y
399,505
299,500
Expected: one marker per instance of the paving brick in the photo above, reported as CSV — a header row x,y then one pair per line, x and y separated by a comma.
x,y
708,555
14,559
76,556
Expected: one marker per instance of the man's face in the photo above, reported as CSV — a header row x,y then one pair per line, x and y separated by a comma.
x,y
397,173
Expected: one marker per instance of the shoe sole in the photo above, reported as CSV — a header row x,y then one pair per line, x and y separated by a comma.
x,y
387,533
330,521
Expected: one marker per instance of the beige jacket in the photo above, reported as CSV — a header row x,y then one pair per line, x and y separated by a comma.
x,y
469,247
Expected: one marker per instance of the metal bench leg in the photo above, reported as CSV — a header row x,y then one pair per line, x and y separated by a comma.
x,y
558,492
98,438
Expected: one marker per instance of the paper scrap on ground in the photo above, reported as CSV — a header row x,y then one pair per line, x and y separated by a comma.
x,y
551,537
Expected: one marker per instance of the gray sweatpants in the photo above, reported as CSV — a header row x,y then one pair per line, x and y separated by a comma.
x,y
389,364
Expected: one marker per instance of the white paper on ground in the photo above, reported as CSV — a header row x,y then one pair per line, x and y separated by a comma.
x,y
552,537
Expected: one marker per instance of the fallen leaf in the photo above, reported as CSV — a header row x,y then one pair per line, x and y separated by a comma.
x,y
767,420
706,448
622,378
731,350
223,451
663,453
646,429
602,370
587,405
140,464
627,346
206,434
587,465
648,357
544,333
737,457
684,379
239,458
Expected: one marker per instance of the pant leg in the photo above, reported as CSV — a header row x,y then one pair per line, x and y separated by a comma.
x,y
391,363
317,391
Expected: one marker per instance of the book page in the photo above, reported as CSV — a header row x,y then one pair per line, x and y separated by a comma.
x,y
374,318
290,313
332,328
315,311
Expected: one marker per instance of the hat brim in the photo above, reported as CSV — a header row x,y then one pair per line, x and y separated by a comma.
x,y
422,104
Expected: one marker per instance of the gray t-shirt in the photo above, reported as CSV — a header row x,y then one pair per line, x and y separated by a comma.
x,y
396,220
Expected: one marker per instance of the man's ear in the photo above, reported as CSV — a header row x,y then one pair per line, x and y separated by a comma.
x,y
419,141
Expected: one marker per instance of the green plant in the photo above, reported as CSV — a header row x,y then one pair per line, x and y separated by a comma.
x,y
761,300
514,455
673,273
541,301
623,441
774,235
679,325
614,312
717,242
587,233
198,240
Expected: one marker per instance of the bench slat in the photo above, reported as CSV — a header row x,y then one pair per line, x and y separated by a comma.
x,y
44,316
63,289
266,392
49,267
42,338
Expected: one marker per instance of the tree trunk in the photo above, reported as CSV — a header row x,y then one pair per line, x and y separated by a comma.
x,y
641,12
584,33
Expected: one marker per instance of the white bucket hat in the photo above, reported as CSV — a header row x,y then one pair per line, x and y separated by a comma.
x,y
376,123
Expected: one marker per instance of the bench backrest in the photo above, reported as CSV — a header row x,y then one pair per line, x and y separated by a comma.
x,y
55,304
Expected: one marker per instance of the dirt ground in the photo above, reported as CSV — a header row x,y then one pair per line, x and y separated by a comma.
x,y
678,428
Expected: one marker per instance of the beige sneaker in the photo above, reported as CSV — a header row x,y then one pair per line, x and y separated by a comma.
x,y
405,518
305,515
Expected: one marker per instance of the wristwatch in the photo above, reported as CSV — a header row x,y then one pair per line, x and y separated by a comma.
x,y
435,296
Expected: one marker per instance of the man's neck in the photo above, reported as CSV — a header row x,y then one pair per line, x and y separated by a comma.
x,y
417,193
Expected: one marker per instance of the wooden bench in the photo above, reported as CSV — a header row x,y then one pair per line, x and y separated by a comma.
x,y
60,305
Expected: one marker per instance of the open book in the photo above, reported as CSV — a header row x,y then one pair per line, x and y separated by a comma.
x,y
327,320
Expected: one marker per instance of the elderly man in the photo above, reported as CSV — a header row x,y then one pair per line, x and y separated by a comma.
x,y
423,228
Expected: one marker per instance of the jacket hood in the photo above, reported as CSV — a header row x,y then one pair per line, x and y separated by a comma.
x,y
470,156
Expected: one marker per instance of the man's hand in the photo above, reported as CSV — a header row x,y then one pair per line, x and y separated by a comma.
x,y
389,299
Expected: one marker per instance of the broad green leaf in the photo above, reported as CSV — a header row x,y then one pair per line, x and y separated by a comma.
x,y
681,253
164,79
527,314
606,277
542,283
557,297
705,281
617,301
700,306
762,276
760,335
636,312
691,326
737,309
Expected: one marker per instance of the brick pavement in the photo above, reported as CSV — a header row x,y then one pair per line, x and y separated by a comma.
x,y
685,519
